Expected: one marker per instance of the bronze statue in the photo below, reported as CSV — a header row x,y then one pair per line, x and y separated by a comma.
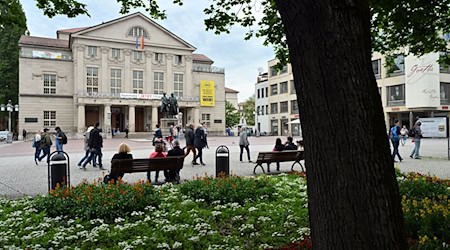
x,y
165,109
173,105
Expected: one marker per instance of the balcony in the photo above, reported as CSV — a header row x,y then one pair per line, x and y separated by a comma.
x,y
207,69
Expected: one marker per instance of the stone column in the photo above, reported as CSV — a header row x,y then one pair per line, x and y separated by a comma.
x,y
81,118
131,118
196,116
154,117
107,121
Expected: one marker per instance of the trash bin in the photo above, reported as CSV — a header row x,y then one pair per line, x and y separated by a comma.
x,y
58,170
222,161
9,138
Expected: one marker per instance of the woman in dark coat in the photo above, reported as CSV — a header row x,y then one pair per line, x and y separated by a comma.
x,y
199,143
124,153
278,148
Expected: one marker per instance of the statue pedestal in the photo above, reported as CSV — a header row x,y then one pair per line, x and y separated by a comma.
x,y
165,125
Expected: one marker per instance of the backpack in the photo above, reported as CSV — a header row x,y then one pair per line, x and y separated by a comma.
x,y
63,138
412,132
393,133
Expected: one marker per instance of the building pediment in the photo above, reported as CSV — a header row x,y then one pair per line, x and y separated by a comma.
x,y
128,29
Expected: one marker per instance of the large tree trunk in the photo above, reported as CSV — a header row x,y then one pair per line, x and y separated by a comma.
x,y
354,201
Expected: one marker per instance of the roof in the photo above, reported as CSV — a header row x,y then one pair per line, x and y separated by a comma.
x,y
228,90
72,30
42,41
201,58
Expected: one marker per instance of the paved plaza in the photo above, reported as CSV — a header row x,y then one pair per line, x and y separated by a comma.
x,y
20,175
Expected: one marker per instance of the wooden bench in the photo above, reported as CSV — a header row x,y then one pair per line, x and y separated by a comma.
x,y
123,166
284,156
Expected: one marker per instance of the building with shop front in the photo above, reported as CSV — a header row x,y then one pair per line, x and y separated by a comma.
x,y
115,73
262,104
412,87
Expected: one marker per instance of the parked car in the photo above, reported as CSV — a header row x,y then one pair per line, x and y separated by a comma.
x,y
3,135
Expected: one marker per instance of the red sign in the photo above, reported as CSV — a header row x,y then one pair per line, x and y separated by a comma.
x,y
297,116
395,109
444,107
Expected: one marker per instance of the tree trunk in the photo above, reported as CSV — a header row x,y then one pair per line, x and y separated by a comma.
x,y
354,202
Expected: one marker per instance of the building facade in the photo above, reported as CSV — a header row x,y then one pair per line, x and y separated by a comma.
x,y
115,73
262,104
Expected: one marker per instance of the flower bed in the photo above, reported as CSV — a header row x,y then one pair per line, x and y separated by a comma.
x,y
228,213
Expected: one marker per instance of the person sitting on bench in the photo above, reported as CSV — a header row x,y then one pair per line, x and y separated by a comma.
x,y
174,175
159,148
124,153
278,147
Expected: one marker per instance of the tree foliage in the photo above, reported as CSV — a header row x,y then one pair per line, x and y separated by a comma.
x,y
231,115
248,111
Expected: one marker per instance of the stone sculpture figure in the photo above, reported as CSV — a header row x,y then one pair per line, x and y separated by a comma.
x,y
165,106
173,105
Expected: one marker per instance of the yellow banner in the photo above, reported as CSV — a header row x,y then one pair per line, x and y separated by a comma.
x,y
207,93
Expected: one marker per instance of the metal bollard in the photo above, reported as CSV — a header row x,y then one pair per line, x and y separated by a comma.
x,y
222,161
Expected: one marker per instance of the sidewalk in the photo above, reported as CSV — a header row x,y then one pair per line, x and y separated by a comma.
x,y
21,176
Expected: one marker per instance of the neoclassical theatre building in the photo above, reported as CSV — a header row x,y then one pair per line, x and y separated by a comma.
x,y
115,73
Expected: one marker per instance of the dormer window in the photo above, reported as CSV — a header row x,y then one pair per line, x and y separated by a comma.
x,y
137,32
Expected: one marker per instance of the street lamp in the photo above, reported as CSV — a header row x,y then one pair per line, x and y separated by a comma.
x,y
9,108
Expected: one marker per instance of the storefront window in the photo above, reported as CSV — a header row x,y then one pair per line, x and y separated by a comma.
x,y
396,95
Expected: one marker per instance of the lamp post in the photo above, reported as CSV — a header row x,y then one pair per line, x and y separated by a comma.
x,y
9,108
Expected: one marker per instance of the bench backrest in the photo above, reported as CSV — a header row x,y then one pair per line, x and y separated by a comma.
x,y
287,155
144,165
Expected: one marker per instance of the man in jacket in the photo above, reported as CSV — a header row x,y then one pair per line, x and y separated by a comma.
x,y
45,144
417,136
175,151
95,145
189,134
58,139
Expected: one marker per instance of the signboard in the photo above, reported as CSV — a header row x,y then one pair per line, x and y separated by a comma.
x,y
434,127
207,93
47,55
422,81
141,96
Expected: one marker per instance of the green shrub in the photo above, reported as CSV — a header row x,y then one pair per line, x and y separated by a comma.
x,y
98,200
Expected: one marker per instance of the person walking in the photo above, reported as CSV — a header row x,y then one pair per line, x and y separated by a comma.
x,y
24,134
243,143
123,153
199,143
59,139
418,134
189,136
394,135
277,148
126,132
205,130
159,148
95,146
403,135
45,144
157,136
174,175
86,147
37,146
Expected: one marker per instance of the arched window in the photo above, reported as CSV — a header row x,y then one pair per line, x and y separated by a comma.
x,y
137,31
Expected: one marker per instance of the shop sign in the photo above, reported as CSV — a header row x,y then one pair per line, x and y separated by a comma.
x,y
140,96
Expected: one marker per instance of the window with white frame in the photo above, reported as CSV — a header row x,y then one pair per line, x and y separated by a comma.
x,y
137,31
273,71
178,84
158,57
138,81
284,69
158,82
92,79
284,107
49,84
178,59
267,109
294,107
274,108
283,87
396,95
116,82
115,53
92,50
206,118
49,118
376,66
274,89
138,55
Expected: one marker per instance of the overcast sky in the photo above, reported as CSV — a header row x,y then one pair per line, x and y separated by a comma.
x,y
241,59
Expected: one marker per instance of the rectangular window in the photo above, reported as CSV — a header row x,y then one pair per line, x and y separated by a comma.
x,y
158,57
138,81
274,127
273,71
283,87
206,118
49,84
49,118
115,53
258,94
396,95
217,121
267,109
284,107
267,91
262,110
92,50
284,69
262,93
376,66
116,82
158,82
398,66
178,59
138,55
294,107
444,92
178,84
292,87
92,79
274,108
274,89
